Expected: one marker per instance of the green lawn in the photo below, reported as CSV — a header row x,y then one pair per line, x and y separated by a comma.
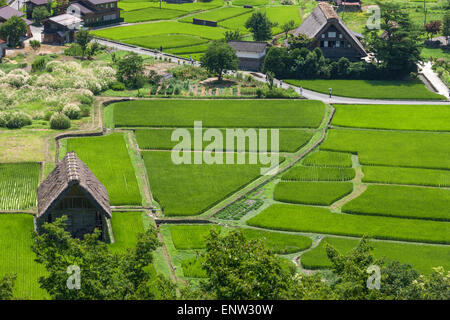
x,y
392,148
188,237
109,160
290,140
436,53
399,117
16,256
413,176
402,202
320,220
315,193
328,159
126,226
190,189
148,14
219,113
18,184
300,173
422,257
371,89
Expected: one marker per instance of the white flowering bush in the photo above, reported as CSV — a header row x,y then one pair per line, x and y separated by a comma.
x,y
65,87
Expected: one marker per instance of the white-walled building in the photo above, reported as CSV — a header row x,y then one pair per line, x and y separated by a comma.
x,y
251,54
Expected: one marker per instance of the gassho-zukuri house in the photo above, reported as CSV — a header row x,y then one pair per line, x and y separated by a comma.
x,y
71,189
331,35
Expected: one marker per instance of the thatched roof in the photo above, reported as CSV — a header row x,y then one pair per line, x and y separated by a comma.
x,y
69,172
323,15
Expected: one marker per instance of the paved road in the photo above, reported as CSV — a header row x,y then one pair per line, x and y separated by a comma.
x,y
308,94
434,79
148,52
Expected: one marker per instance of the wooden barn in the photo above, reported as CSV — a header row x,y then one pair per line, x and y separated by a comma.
x,y
331,35
71,189
251,54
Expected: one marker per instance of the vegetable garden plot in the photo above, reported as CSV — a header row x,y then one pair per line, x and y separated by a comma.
x,y
18,185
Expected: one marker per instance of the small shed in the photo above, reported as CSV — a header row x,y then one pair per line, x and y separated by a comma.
x,y
61,29
72,190
251,54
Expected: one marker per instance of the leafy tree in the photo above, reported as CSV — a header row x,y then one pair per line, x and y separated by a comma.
x,y
260,26
398,50
435,286
92,49
433,27
39,14
446,25
13,30
238,269
104,275
288,26
276,61
130,70
35,44
299,41
83,38
232,35
7,286
220,57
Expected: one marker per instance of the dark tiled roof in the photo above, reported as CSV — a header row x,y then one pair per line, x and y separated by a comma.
x,y
7,12
96,2
69,172
38,2
82,8
249,46
319,18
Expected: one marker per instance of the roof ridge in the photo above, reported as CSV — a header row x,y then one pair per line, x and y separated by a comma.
x,y
327,10
73,169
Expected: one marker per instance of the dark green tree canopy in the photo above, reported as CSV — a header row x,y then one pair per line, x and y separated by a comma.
x,y
130,70
220,57
13,30
83,38
260,26
39,14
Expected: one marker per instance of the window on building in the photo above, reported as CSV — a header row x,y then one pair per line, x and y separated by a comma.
x,y
321,44
338,44
331,44
325,44
323,35
331,34
343,44
340,35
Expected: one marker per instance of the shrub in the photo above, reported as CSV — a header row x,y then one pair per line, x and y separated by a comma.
x,y
59,121
188,72
118,86
72,111
39,63
14,120
85,110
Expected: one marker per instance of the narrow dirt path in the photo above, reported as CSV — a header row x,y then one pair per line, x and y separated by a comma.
x,y
297,259
358,186
172,274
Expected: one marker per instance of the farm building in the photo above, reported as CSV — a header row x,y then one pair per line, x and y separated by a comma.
x,y
6,12
60,29
95,13
71,189
348,5
251,54
33,4
331,35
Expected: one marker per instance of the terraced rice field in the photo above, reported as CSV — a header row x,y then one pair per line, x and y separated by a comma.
x,y
314,193
398,117
300,173
18,185
403,202
219,113
328,159
126,227
409,176
16,256
290,140
421,257
110,162
320,220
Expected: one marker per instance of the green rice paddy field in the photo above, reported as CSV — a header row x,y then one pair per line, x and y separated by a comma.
x,y
422,257
109,160
290,140
219,113
328,159
371,89
18,184
300,173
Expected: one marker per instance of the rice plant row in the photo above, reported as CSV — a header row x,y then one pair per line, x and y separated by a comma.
x,y
18,185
